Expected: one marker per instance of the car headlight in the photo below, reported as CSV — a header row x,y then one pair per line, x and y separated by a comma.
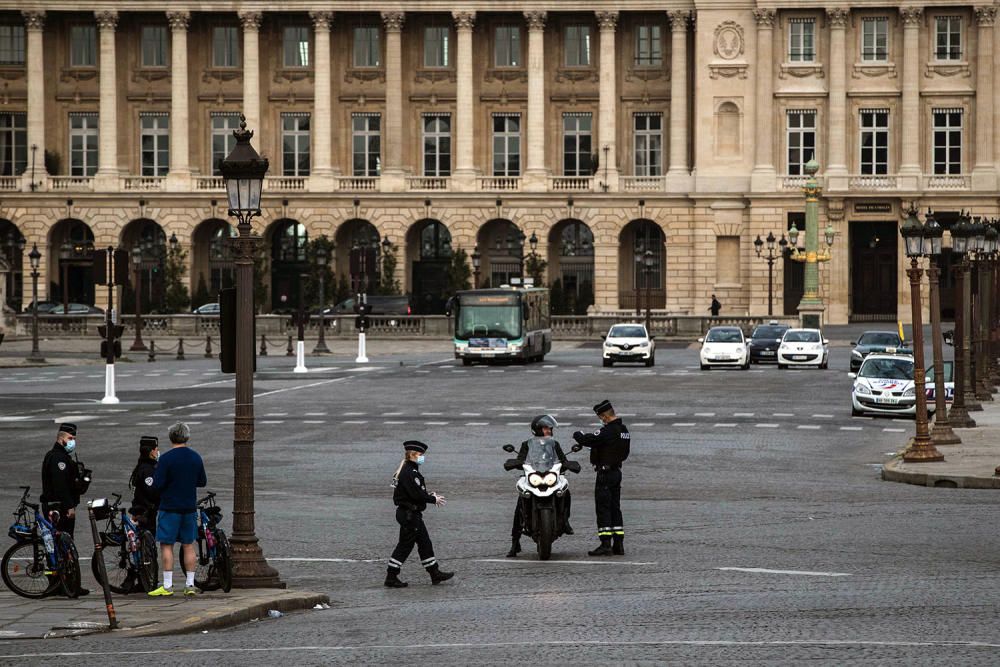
x,y
856,354
642,345
910,392
535,479
550,479
514,347
862,389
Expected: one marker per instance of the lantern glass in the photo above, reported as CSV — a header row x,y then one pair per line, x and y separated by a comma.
x,y
476,258
793,235
770,240
136,255
830,234
34,257
913,235
959,239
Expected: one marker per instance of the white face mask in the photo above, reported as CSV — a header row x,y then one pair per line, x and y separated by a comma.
x,y
70,446
421,459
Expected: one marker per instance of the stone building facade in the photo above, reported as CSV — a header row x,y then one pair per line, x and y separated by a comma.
x,y
607,131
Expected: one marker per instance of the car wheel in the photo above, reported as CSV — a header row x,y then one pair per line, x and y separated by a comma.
x,y
705,367
650,362
823,366
608,363
782,366
466,362
746,366
855,412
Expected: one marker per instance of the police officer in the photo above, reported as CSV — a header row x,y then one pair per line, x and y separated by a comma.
x,y
609,447
411,498
145,498
61,483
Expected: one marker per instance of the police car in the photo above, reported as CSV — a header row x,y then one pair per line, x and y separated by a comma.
x,y
724,346
803,347
884,385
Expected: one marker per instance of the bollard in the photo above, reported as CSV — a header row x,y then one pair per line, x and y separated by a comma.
x,y
152,350
208,347
180,349
289,352
263,345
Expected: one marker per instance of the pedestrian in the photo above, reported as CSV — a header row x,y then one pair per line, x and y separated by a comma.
x,y
411,498
63,481
609,447
715,307
178,476
145,498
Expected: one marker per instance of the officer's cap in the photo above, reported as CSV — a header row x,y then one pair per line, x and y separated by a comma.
x,y
148,443
67,428
414,446
603,406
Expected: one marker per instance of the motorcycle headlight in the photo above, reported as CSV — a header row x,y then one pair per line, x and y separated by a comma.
x,y
862,389
910,392
535,479
550,479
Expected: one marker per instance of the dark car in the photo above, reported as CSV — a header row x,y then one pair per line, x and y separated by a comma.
x,y
380,305
764,341
210,308
76,309
43,307
876,341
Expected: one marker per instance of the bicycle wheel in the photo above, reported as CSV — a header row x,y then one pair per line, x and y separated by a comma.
x,y
116,563
23,570
223,561
205,576
148,568
69,566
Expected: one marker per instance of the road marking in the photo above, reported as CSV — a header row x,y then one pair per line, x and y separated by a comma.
x,y
477,423
643,424
471,414
805,573
850,428
704,414
894,430
725,425
658,414
13,418
272,421
148,423
743,414
225,423
315,414
354,414
393,422
313,421
683,424
767,425
435,423
209,414
421,371
809,427
511,561
355,421
823,416
782,414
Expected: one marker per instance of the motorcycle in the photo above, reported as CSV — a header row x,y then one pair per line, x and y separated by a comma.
x,y
542,490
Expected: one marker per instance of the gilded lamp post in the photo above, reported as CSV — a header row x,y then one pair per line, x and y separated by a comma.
x,y
811,306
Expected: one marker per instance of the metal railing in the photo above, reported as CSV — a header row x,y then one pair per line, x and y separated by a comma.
x,y
427,183
643,183
627,298
357,183
570,183
500,183
144,183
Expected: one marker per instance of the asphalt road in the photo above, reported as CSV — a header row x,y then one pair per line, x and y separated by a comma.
x,y
758,530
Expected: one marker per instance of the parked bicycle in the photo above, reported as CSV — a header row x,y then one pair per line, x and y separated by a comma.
x,y
129,552
214,569
42,558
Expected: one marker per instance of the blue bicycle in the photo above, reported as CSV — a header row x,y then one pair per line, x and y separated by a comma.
x,y
214,569
42,558
129,552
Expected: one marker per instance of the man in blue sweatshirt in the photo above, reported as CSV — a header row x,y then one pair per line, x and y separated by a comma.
x,y
179,474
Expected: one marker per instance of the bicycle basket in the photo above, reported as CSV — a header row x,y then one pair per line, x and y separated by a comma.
x,y
19,532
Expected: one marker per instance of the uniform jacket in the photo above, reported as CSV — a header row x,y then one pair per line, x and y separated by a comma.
x,y
609,446
59,474
146,498
411,492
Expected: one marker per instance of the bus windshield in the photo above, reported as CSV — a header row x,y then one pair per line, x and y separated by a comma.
x,y
480,321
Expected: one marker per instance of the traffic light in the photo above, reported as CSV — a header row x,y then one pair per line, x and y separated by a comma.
x,y
117,331
361,322
121,266
100,266
116,346
227,331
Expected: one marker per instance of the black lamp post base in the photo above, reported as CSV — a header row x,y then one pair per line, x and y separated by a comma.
x,y
321,348
138,347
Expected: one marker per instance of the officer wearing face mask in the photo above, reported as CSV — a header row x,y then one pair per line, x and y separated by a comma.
x,y
146,498
61,482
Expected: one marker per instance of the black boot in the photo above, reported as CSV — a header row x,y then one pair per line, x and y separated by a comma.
x,y
437,576
603,550
618,547
392,579
515,547
568,529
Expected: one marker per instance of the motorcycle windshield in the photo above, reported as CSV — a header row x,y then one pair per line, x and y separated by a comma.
x,y
542,454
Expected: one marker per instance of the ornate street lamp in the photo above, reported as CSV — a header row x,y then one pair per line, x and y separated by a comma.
x,y
647,267
137,344
942,433
984,384
959,414
65,255
243,172
35,258
476,259
322,258
921,449
811,306
771,257
638,255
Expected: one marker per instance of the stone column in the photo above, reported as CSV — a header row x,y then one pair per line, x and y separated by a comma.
x,y
393,175
179,176
106,179
996,99
762,179
678,171
464,174
836,140
608,104
909,164
984,173
536,174
321,170
34,25
251,73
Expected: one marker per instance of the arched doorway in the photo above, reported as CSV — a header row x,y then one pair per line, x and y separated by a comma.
x,y
429,251
71,262
151,241
639,284
571,267
289,240
501,246
357,250
212,267
12,250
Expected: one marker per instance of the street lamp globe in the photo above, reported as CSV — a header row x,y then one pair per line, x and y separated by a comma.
x,y
830,234
770,241
793,236
476,258
34,257
960,237
648,260
783,244
933,231
991,239
758,243
243,172
386,245
66,251
136,255
912,232
322,256
978,235
533,241
174,242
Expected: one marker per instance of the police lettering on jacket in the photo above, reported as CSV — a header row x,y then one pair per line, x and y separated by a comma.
x,y
609,446
411,492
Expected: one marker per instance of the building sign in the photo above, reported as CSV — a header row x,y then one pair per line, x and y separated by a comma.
x,y
873,207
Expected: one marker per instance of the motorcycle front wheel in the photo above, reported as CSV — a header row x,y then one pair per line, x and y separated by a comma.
x,y
545,533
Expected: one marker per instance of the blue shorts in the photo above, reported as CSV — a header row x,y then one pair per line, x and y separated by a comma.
x,y
172,527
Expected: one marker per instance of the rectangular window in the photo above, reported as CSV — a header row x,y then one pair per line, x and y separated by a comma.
x,y
648,144
154,131
801,133
295,144
296,46
225,46
507,46
874,142
83,46
437,145
11,44
648,46
801,40
875,39
154,46
13,143
948,38
577,129
367,52
82,144
223,141
437,49
947,141
727,260
367,144
507,144
577,46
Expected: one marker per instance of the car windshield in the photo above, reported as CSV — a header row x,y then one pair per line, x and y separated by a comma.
x,y
802,337
724,336
768,332
879,338
949,372
627,331
488,322
892,369
542,453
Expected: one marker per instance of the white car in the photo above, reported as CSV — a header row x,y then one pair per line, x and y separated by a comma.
x,y
724,346
884,385
628,342
803,347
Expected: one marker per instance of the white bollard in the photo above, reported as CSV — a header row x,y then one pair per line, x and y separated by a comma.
x,y
109,384
362,356
300,357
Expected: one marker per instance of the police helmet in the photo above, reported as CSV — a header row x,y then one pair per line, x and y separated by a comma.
x,y
541,421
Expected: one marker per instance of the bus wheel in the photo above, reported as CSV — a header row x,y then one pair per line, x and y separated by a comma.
x,y
466,362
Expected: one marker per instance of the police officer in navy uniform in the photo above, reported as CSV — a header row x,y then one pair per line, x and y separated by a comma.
x,y
609,447
61,485
145,498
411,498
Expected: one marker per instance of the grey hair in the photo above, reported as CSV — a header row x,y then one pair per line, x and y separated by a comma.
x,y
179,433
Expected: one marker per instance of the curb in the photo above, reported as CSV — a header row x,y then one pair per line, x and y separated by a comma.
x,y
891,472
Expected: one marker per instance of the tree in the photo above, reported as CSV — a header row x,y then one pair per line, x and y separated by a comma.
x,y
201,295
459,272
534,266
387,283
342,292
176,298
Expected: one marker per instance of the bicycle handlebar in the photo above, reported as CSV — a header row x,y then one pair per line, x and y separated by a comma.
x,y
207,498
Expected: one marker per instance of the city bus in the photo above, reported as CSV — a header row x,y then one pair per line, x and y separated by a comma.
x,y
502,323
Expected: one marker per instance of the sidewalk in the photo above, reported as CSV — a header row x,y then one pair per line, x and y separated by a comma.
x,y
969,465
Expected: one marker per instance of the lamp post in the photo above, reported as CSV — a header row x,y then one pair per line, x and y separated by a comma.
x,y
977,244
322,256
35,258
386,249
65,254
959,414
984,263
476,259
243,172
638,255
137,344
15,251
758,246
921,449
942,433
647,269
811,306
